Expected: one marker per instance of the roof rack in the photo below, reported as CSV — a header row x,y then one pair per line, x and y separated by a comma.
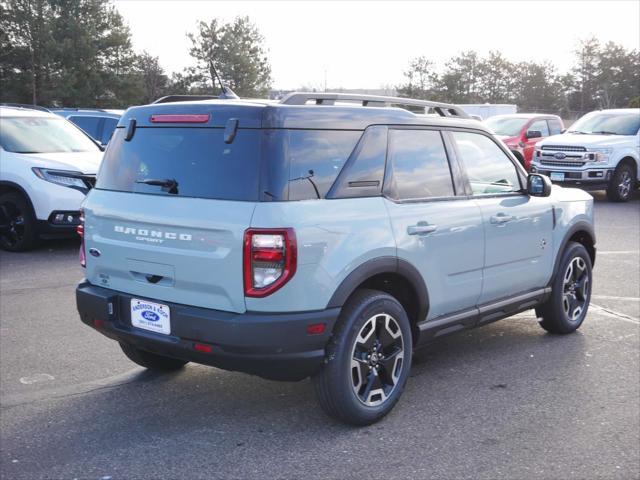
x,y
77,109
185,98
442,109
25,106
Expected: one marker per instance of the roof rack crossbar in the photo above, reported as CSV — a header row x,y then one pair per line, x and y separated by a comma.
x,y
25,106
185,98
326,98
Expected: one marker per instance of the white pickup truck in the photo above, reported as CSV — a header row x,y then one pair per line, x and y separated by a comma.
x,y
600,151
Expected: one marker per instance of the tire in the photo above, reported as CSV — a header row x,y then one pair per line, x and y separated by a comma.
x,y
361,392
18,225
150,360
622,183
519,158
567,307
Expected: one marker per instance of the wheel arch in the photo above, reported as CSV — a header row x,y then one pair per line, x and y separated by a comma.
x,y
391,275
632,162
8,187
580,232
519,157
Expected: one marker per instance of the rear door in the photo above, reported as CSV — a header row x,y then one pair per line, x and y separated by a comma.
x,y
167,217
436,231
518,251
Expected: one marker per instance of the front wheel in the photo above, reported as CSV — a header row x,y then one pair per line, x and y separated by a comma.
x,y
17,223
368,360
622,183
567,306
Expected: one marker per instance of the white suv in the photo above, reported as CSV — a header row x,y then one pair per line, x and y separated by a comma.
x,y
600,151
47,166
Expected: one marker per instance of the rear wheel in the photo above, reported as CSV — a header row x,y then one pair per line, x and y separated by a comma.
x,y
368,360
567,307
622,183
17,223
151,360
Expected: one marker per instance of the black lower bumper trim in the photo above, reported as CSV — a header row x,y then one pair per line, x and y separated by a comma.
x,y
271,345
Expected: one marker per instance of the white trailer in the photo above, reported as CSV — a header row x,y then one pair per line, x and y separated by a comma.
x,y
486,110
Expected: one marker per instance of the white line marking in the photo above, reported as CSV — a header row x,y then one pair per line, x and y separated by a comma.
x,y
610,297
38,377
618,252
607,312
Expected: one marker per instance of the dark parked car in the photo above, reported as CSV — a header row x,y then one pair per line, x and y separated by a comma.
x,y
98,123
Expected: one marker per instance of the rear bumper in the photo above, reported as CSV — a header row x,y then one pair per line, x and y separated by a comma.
x,y
271,345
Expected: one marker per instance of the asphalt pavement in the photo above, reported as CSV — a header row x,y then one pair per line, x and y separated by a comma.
x,y
506,401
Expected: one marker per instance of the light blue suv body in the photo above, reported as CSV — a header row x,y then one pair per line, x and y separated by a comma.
x,y
255,236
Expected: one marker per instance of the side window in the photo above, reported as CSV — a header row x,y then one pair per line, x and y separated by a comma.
x,y
540,126
89,124
419,165
488,168
363,174
107,129
555,127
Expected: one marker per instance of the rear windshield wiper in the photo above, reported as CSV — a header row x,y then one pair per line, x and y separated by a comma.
x,y
310,178
577,131
168,185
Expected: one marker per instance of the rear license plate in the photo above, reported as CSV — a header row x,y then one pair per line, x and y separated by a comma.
x,y
154,317
557,176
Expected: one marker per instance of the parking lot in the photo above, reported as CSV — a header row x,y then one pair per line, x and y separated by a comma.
x,y
504,401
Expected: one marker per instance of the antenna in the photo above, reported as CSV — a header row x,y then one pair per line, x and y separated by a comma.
x,y
226,91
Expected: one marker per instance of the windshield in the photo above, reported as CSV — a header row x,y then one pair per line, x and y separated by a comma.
x,y
608,123
509,127
42,135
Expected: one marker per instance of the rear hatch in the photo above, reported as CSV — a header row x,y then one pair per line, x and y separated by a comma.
x,y
172,202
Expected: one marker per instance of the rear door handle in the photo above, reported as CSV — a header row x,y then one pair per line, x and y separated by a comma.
x,y
501,218
422,228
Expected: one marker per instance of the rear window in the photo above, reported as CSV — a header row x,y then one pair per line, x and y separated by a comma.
x,y
196,161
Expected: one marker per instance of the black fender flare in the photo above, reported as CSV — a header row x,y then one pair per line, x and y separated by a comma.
x,y
376,266
580,226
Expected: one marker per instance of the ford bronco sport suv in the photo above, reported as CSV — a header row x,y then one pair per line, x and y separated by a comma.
x,y
601,151
323,236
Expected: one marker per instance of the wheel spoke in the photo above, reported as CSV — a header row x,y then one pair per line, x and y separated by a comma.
x,y
376,362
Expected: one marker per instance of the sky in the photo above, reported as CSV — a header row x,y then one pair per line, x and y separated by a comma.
x,y
368,44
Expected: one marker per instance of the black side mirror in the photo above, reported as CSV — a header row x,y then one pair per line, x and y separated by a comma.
x,y
534,134
538,185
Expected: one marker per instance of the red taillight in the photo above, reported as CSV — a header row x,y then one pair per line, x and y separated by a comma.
x,y
270,259
173,118
80,229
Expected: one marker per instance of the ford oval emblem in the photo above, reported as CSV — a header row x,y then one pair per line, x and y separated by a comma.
x,y
560,155
151,316
94,252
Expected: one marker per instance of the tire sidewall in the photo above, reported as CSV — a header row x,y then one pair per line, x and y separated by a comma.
x,y
376,304
574,250
613,192
29,238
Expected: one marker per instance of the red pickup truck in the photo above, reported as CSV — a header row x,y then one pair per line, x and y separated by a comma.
x,y
521,131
